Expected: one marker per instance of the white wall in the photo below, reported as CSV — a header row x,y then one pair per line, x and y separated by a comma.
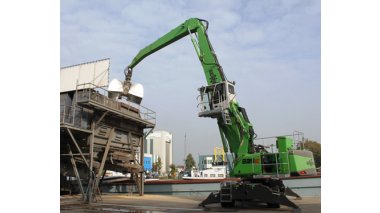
x,y
95,72
162,147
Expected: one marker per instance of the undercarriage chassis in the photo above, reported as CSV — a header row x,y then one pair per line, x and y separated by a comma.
x,y
271,192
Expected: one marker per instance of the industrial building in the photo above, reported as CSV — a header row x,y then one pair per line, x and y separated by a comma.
x,y
160,144
148,165
100,130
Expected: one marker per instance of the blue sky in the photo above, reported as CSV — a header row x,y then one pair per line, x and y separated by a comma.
x,y
270,48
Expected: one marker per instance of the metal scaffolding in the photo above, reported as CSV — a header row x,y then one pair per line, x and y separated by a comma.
x,y
99,134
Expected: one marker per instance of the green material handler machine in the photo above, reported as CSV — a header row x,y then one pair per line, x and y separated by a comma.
x,y
260,172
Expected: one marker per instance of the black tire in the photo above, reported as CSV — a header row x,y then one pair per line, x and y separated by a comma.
x,y
273,205
228,204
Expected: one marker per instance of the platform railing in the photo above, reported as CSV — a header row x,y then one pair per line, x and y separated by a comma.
x,y
74,116
298,140
281,169
203,103
89,92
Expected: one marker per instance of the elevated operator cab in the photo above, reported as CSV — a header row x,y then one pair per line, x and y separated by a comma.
x,y
215,99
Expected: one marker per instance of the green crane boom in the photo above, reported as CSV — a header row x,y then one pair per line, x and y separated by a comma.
x,y
209,61
235,129
252,163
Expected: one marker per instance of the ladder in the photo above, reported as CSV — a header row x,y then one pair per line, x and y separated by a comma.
x,y
226,193
226,117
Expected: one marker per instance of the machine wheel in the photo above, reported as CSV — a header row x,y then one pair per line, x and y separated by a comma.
x,y
273,205
228,204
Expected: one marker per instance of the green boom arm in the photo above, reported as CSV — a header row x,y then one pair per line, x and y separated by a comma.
x,y
238,134
211,67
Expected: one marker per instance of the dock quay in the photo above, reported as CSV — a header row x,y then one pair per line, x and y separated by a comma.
x,y
111,202
307,186
184,196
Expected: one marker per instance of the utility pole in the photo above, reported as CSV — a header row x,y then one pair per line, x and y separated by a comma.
x,y
184,154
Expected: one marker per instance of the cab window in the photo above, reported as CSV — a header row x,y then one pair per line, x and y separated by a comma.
x,y
231,89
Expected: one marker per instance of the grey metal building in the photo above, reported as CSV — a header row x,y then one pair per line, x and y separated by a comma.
x,y
98,133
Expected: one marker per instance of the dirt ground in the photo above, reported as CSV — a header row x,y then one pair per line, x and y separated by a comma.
x,y
166,203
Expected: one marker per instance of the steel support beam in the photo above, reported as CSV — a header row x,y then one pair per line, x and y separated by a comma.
x,y
147,133
77,154
91,178
77,146
141,176
76,172
107,148
101,118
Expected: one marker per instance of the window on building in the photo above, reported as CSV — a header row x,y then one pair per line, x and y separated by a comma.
x,y
145,146
151,146
168,154
205,175
212,175
220,175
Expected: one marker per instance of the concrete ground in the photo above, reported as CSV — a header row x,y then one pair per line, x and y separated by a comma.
x,y
167,203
